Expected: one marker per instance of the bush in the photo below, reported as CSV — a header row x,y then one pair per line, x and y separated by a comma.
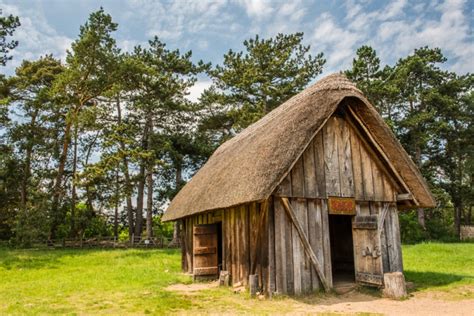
x,y
410,231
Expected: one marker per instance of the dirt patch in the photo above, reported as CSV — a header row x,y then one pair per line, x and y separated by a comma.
x,y
352,303
192,288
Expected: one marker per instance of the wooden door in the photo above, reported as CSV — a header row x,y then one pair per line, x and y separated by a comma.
x,y
205,255
367,251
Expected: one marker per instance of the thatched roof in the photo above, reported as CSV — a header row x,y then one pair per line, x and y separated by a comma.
x,y
249,166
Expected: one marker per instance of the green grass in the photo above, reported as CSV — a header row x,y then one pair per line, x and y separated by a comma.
x,y
439,266
79,281
135,281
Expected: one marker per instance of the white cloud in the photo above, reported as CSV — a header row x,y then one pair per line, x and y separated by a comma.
x,y
257,8
337,43
196,90
173,20
35,36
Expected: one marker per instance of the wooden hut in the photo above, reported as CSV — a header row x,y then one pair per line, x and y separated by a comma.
x,y
304,197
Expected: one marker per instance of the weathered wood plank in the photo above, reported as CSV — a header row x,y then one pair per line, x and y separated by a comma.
x,y
298,256
345,159
280,247
245,244
289,255
310,184
235,247
395,255
356,165
297,179
315,238
306,267
304,241
367,178
331,160
284,189
327,269
271,249
378,182
318,149
253,234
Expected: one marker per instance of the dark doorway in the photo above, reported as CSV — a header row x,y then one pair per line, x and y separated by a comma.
x,y
342,248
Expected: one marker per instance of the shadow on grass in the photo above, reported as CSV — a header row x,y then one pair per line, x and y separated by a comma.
x,y
424,280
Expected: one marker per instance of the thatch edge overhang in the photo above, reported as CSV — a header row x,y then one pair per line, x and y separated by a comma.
x,y
250,166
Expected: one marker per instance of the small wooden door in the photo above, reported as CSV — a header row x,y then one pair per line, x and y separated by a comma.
x,y
367,251
205,255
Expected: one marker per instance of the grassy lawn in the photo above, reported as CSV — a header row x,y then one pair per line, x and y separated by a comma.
x,y
134,281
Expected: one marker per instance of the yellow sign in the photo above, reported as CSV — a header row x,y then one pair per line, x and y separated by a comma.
x,y
342,206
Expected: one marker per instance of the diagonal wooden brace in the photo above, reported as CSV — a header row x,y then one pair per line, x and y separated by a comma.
x,y
304,240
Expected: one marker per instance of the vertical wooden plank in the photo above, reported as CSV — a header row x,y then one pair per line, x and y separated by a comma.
x,y
271,249
384,241
309,173
298,257
245,242
331,160
264,250
326,242
284,189
297,179
318,149
346,178
367,178
378,182
306,265
389,192
234,272
356,165
315,238
395,255
280,247
253,224
228,238
289,256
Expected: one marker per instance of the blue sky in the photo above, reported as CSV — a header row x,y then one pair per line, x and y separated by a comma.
x,y
211,28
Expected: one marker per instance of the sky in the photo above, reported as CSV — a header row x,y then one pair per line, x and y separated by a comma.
x,y
210,28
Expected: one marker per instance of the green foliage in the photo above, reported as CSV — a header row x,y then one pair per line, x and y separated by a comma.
x,y
411,231
8,24
269,72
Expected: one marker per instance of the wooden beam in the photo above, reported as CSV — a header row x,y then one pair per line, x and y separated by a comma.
x,y
304,240
404,197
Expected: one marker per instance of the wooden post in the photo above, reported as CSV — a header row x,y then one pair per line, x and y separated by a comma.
x,y
394,285
224,278
253,284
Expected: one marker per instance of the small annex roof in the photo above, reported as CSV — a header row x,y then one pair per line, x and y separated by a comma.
x,y
249,166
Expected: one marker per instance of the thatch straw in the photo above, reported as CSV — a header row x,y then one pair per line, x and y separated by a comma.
x,y
250,166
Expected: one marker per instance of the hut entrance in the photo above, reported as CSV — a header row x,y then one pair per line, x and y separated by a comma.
x,y
342,249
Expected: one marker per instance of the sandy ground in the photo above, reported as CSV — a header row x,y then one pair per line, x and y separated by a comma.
x,y
419,303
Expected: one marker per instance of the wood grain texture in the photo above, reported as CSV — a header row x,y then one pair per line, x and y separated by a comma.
x,y
331,159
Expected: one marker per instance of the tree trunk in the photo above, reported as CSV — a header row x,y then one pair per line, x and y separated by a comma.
x,y
457,219
141,184
116,202
56,218
149,204
27,169
178,181
420,212
73,188
128,183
